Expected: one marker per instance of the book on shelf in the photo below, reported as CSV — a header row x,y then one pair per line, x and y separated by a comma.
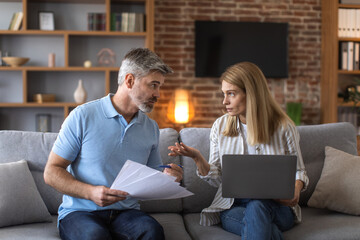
x,y
349,23
139,22
124,21
131,22
12,21
349,57
341,22
16,21
356,55
350,62
357,23
343,55
348,114
128,22
96,21
350,1
115,22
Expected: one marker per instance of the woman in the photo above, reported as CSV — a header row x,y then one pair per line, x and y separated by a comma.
x,y
254,124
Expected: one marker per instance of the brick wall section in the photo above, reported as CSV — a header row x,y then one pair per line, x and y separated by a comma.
x,y
175,43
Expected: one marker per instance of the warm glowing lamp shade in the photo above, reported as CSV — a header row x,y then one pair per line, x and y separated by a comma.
x,y
181,112
180,108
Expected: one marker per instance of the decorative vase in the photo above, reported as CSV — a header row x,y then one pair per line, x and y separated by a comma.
x,y
51,60
80,93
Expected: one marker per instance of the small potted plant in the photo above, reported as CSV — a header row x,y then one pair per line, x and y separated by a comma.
x,y
353,92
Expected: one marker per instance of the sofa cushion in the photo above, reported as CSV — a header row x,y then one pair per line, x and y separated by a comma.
x,y
20,200
339,186
209,233
173,225
168,136
313,139
35,148
33,231
203,192
323,224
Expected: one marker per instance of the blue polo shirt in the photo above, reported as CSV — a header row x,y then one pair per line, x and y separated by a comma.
x,y
98,141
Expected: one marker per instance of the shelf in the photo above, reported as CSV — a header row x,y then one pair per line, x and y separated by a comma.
x,y
69,1
346,72
344,39
349,6
80,1
128,1
71,32
348,104
34,104
59,69
342,103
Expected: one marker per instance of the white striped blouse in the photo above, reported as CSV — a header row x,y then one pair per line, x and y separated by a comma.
x,y
285,141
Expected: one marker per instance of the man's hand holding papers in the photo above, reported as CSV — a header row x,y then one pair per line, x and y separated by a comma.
x,y
144,183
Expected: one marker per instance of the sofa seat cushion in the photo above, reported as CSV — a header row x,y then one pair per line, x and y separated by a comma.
x,y
318,224
207,233
173,225
33,231
323,224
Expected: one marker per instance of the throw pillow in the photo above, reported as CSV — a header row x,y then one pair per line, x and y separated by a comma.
x,y
20,201
338,188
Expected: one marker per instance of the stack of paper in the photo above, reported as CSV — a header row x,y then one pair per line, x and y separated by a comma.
x,y
144,183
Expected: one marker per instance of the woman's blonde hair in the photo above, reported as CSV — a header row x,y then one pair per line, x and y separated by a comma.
x,y
263,114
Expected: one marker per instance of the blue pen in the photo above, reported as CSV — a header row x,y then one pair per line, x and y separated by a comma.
x,y
167,166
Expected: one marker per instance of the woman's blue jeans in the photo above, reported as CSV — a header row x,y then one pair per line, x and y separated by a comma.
x,y
257,219
110,224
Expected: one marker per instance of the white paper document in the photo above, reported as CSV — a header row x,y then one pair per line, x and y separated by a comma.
x,y
144,183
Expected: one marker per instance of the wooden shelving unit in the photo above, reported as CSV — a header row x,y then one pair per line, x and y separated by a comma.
x,y
73,42
331,76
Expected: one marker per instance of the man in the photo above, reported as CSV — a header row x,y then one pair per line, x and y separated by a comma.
x,y
93,144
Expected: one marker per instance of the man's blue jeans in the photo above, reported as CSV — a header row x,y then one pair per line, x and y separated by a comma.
x,y
257,219
110,224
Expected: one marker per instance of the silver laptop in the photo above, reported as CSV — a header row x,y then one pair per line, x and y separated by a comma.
x,y
258,176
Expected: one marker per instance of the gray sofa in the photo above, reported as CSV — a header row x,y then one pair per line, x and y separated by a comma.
x,y
180,217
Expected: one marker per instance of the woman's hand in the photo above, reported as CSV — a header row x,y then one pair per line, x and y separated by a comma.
x,y
292,202
182,149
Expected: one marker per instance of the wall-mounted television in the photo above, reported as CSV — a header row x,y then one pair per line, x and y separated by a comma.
x,y
219,45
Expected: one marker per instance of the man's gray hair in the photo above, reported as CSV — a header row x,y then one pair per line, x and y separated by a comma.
x,y
140,62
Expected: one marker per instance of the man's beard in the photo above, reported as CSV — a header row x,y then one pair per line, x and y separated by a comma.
x,y
144,105
147,107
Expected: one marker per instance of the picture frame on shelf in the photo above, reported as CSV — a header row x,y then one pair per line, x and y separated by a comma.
x,y
46,21
43,122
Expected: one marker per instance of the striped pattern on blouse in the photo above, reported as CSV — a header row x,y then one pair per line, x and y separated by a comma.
x,y
285,141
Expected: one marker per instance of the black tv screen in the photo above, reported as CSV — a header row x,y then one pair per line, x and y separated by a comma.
x,y
219,45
